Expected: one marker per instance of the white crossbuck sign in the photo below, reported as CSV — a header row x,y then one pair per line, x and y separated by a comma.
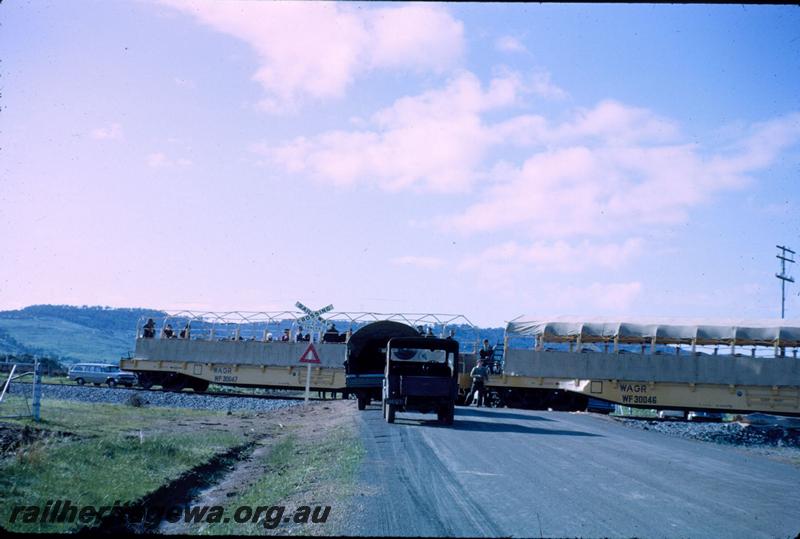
x,y
312,315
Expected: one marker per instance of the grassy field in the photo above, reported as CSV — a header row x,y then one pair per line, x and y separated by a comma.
x,y
110,453
96,455
301,472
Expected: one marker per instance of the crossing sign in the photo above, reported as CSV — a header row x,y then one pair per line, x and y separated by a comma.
x,y
312,315
310,355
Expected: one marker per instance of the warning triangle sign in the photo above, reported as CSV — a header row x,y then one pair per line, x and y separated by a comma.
x,y
310,355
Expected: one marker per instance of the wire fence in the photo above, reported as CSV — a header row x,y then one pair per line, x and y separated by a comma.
x,y
19,399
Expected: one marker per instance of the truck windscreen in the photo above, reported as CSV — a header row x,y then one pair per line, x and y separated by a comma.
x,y
418,354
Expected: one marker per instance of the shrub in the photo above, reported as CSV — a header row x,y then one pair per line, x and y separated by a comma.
x,y
136,400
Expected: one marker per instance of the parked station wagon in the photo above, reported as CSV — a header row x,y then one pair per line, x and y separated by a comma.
x,y
101,373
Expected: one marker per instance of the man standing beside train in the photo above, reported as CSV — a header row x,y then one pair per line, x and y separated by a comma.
x,y
479,375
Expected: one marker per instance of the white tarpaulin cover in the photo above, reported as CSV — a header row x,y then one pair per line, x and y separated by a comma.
x,y
672,330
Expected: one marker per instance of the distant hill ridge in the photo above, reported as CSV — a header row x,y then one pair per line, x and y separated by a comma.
x,y
72,334
97,317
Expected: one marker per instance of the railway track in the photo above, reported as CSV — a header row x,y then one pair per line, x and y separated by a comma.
x,y
223,394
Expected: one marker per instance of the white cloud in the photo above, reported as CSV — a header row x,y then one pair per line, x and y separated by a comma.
x,y
157,160
576,298
542,85
760,146
609,122
559,256
317,49
612,170
610,298
565,194
552,274
435,141
111,132
509,44
601,173
424,262
161,160
605,169
616,123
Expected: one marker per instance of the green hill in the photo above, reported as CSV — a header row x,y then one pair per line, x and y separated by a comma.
x,y
97,334
69,333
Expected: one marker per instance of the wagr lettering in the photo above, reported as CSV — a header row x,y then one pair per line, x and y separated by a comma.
x,y
633,388
222,370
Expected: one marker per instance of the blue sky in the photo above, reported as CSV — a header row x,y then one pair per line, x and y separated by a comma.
x,y
484,159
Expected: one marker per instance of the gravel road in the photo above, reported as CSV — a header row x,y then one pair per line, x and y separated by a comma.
x,y
500,472
158,398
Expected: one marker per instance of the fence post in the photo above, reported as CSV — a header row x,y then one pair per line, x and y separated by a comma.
x,y
37,390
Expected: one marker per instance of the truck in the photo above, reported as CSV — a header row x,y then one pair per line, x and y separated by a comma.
x,y
421,375
366,358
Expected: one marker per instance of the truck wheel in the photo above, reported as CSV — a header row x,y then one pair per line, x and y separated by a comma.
x,y
362,402
445,414
390,411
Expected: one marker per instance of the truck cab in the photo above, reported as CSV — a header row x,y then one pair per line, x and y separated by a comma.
x,y
366,358
421,375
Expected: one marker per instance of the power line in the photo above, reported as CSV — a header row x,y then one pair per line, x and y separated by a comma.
x,y
782,275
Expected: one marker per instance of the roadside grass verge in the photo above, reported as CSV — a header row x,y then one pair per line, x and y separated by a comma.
x,y
114,453
97,419
300,472
629,411
47,379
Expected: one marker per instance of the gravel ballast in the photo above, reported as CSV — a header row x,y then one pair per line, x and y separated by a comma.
x,y
723,433
158,398
765,439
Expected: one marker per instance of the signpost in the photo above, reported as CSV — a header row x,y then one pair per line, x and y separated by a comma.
x,y
309,357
